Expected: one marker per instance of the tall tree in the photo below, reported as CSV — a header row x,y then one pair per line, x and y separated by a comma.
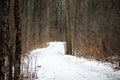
x,y
68,29
1,41
75,27
18,39
4,36
48,23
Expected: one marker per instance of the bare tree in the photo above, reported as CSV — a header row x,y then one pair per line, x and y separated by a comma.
x,y
18,39
68,29
4,33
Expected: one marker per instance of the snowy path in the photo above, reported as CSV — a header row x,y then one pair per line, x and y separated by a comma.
x,y
53,64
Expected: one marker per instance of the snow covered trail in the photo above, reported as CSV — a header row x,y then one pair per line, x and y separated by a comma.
x,y
53,64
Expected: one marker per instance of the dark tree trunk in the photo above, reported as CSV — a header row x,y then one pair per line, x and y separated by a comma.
x,y
1,41
4,37
68,29
18,40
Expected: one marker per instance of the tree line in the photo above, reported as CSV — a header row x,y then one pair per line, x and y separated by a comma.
x,y
90,28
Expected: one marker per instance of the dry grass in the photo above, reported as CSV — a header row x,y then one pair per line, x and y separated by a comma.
x,y
84,49
96,52
92,50
28,72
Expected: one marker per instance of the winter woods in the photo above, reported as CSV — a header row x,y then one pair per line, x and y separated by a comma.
x,y
90,28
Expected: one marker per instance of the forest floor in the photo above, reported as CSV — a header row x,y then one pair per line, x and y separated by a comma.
x,y
51,63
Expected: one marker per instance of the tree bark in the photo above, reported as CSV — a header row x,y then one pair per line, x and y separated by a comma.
x,y
48,24
68,29
1,41
18,40
4,36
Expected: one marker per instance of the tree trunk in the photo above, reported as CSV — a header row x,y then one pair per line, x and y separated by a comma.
x,y
68,29
75,28
4,36
1,42
48,24
18,40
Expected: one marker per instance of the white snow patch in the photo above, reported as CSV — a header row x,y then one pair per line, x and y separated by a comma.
x,y
53,64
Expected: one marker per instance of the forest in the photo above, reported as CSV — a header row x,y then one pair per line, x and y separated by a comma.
x,y
89,28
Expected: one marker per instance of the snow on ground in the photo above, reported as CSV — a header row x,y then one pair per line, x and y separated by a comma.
x,y
53,64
